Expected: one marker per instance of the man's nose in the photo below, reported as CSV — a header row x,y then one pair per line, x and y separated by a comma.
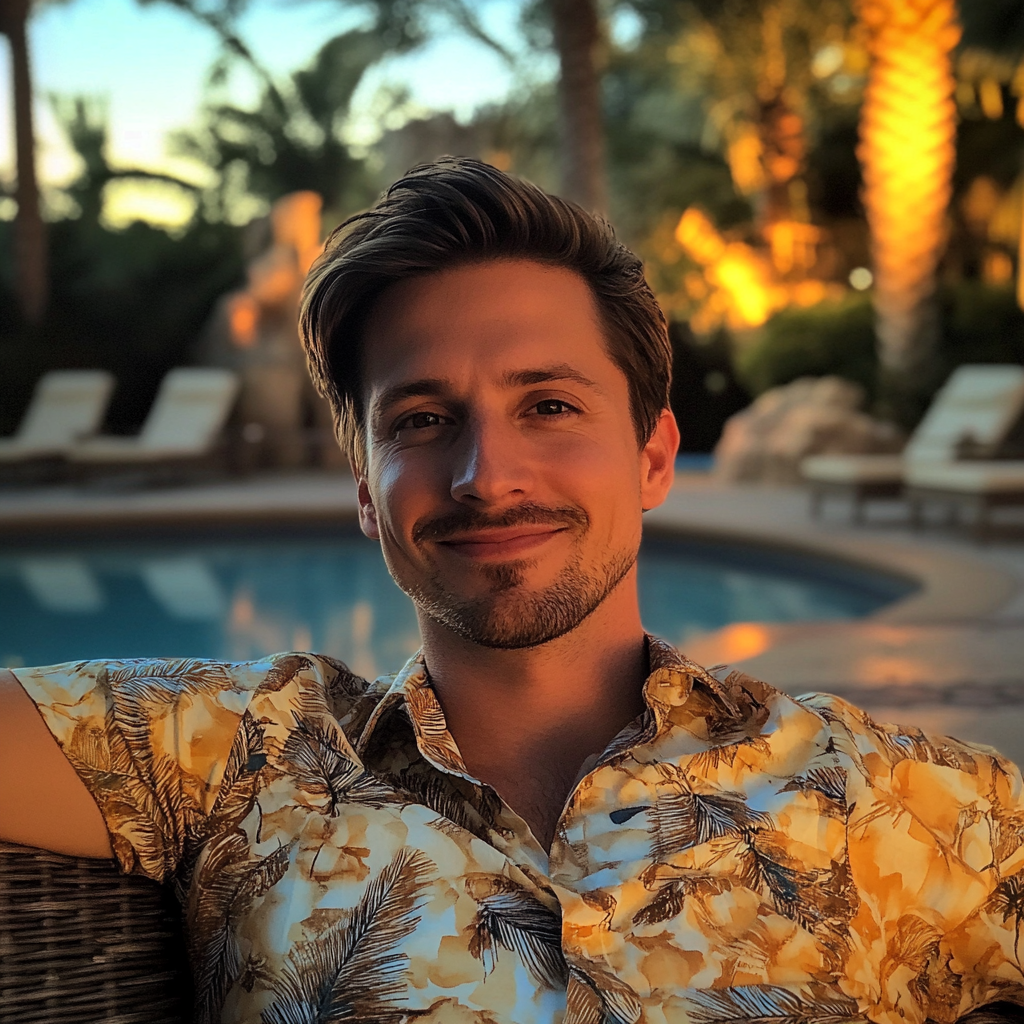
x,y
491,464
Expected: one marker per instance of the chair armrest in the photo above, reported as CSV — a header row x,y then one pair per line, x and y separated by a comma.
x,y
80,942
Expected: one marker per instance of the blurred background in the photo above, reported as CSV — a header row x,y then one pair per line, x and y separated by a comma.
x,y
828,196
817,186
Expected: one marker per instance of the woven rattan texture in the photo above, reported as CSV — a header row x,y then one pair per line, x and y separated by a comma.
x,y
82,944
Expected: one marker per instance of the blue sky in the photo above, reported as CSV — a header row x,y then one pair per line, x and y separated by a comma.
x,y
150,63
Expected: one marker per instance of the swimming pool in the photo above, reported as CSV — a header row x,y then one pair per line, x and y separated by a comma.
x,y
229,594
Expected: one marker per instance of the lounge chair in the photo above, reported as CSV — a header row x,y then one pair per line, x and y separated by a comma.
x,y
971,416
82,944
976,485
66,406
182,427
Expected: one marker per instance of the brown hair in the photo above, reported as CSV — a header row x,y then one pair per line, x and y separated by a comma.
x,y
457,211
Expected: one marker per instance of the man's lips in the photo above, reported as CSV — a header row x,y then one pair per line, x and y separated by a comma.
x,y
500,543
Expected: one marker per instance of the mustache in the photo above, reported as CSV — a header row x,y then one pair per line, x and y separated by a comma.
x,y
465,519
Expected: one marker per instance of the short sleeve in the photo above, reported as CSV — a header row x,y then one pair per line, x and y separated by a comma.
x,y
151,740
987,948
935,839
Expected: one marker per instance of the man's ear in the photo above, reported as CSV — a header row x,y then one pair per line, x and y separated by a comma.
x,y
658,461
367,510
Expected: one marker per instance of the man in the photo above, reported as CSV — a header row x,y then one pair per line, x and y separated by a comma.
x,y
547,815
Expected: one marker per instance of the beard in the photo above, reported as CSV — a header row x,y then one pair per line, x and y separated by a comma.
x,y
508,616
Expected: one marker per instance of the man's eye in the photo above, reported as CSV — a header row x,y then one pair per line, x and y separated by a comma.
x,y
419,421
553,407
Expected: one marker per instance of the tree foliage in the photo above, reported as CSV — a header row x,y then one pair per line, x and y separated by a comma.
x,y
293,138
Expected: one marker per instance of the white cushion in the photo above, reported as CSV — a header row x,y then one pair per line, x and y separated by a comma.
x,y
969,477
189,411
852,469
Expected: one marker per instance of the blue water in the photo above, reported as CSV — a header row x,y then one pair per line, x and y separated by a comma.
x,y
222,595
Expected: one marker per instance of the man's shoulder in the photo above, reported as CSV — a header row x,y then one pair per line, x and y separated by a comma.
x,y
884,750
156,679
735,704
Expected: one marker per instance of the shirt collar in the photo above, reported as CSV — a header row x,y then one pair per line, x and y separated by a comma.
x,y
667,687
411,690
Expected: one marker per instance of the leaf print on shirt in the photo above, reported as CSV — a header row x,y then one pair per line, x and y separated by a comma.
x,y
1007,899
445,795
228,881
828,780
596,997
909,951
902,742
512,918
765,868
669,898
742,706
283,671
149,689
315,757
355,970
241,780
140,832
682,818
769,1004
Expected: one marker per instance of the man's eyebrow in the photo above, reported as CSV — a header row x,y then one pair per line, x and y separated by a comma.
x,y
546,374
427,387
436,387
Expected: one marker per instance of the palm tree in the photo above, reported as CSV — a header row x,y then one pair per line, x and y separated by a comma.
x,y
578,40
907,152
29,230
752,61
292,139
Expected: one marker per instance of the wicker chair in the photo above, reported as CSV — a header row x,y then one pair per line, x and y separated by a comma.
x,y
82,944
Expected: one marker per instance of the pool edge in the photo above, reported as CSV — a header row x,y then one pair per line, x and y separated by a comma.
x,y
953,587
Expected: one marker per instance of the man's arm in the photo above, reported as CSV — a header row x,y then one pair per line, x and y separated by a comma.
x,y
42,800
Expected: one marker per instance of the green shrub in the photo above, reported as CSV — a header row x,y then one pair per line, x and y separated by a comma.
x,y
131,302
829,338
979,324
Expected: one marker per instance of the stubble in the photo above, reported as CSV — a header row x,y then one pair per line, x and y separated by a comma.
x,y
509,616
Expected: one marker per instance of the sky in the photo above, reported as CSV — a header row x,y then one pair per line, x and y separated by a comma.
x,y
149,64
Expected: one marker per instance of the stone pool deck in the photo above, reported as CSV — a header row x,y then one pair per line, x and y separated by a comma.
x,y
949,658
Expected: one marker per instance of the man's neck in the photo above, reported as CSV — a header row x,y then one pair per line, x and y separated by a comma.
x,y
526,720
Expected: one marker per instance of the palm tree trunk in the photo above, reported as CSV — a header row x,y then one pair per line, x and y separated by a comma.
x,y
577,31
29,230
907,152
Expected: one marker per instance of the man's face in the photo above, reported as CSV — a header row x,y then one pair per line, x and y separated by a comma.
x,y
504,479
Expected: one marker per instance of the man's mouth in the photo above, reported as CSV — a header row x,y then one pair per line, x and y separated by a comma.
x,y
518,532
504,543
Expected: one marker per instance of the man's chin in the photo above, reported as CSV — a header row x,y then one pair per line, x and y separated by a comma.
x,y
517,617
509,609
502,632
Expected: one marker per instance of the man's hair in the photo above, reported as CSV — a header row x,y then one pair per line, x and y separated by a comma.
x,y
456,212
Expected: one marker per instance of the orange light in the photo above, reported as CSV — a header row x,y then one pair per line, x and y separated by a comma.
x,y
243,319
743,293
891,668
699,237
243,612
744,155
729,644
742,275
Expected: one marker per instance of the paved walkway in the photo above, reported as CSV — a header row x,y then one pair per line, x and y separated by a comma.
x,y
949,658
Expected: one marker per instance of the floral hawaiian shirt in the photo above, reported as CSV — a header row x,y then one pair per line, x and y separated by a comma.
x,y
734,855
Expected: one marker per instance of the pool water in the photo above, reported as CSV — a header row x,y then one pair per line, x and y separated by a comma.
x,y
222,595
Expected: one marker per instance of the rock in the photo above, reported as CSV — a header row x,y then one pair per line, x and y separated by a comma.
x,y
254,331
811,416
